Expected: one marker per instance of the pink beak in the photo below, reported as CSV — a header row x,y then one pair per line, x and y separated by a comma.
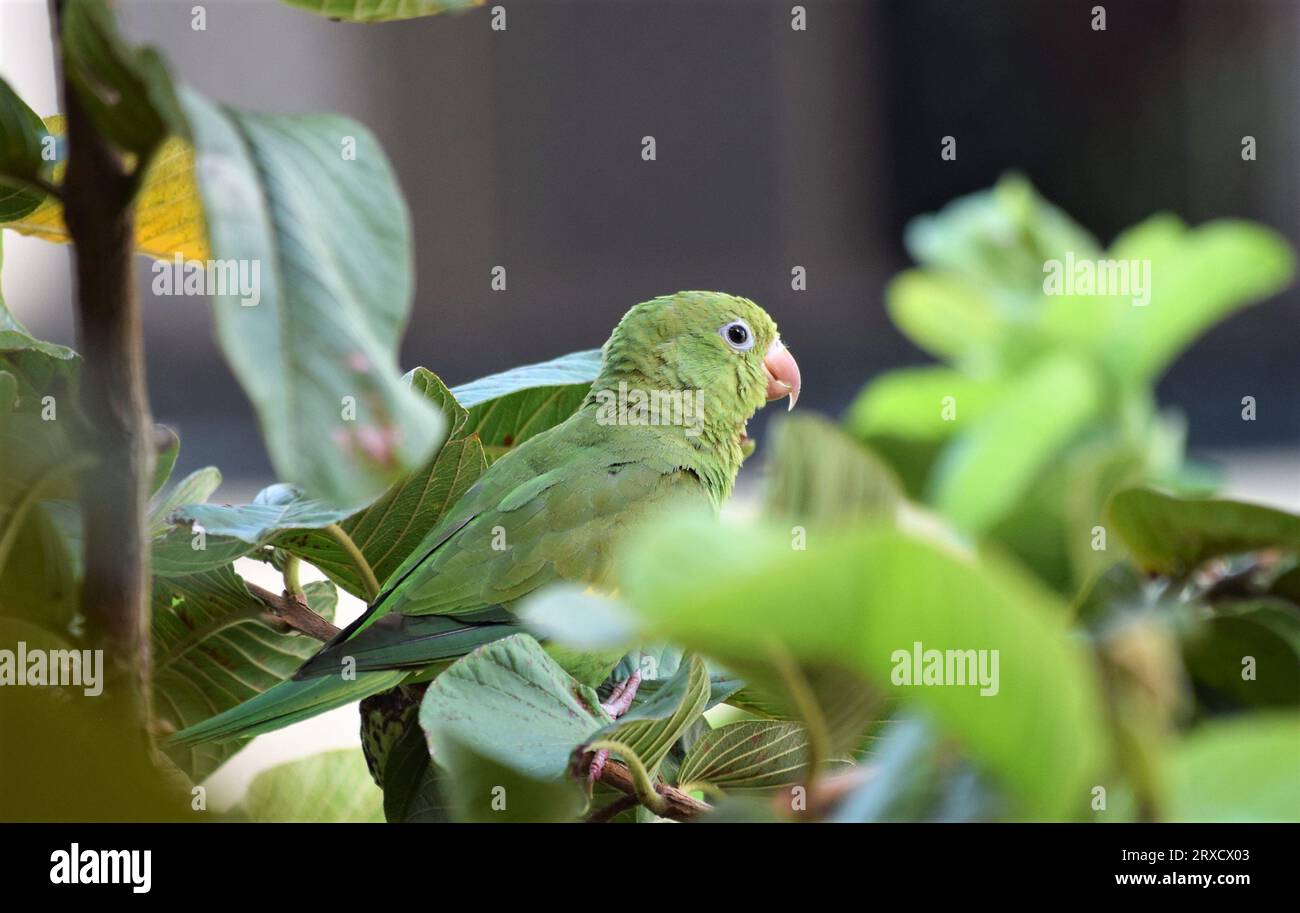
x,y
782,373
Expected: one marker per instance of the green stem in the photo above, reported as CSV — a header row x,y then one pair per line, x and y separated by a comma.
x,y
292,586
339,535
646,793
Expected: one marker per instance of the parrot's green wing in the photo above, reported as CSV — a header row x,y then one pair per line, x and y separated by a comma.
x,y
505,540
553,509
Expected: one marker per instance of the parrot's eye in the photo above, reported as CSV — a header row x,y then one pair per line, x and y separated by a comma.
x,y
738,335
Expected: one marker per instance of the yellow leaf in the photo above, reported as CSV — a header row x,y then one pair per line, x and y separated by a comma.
x,y
168,212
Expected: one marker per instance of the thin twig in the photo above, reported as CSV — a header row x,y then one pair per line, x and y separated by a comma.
x,y
294,614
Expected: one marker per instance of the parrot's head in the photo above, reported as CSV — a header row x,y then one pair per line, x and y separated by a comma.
x,y
722,350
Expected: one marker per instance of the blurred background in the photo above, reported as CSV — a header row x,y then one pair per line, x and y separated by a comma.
x,y
775,148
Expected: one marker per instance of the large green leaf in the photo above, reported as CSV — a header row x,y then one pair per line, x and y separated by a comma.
x,y
1169,535
507,409
946,317
331,787
731,591
317,352
381,10
754,754
212,651
1198,277
818,475
1238,770
983,473
389,529
511,702
486,790
929,403
998,240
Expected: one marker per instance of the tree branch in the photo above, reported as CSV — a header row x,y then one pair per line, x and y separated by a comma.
x,y
295,614
114,491
678,805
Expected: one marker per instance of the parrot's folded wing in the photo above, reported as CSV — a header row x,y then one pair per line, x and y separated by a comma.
x,y
285,703
407,642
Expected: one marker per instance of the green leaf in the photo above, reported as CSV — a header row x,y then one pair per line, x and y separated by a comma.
x,y
381,10
8,391
38,570
389,529
330,787
983,473
273,509
415,789
511,702
1198,277
191,491
16,342
1173,536
317,352
736,592
212,651
486,790
948,318
1238,770
167,447
167,214
930,403
507,409
818,475
998,240
573,615
650,729
751,755
128,93
1266,631
22,135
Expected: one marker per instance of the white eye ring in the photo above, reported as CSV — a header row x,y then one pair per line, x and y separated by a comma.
x,y
738,335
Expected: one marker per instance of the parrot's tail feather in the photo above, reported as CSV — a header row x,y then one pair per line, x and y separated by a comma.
x,y
406,642
285,703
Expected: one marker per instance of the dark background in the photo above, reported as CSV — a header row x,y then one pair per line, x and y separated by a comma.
x,y
775,148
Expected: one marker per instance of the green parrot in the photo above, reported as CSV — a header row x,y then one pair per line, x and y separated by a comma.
x,y
556,507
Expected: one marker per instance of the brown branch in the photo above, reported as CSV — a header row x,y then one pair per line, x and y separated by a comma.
x,y
294,614
681,807
115,588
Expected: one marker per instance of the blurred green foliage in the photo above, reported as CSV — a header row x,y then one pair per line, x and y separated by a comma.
x,y
1043,406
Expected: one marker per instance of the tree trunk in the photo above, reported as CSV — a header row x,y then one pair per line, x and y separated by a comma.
x,y
115,593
